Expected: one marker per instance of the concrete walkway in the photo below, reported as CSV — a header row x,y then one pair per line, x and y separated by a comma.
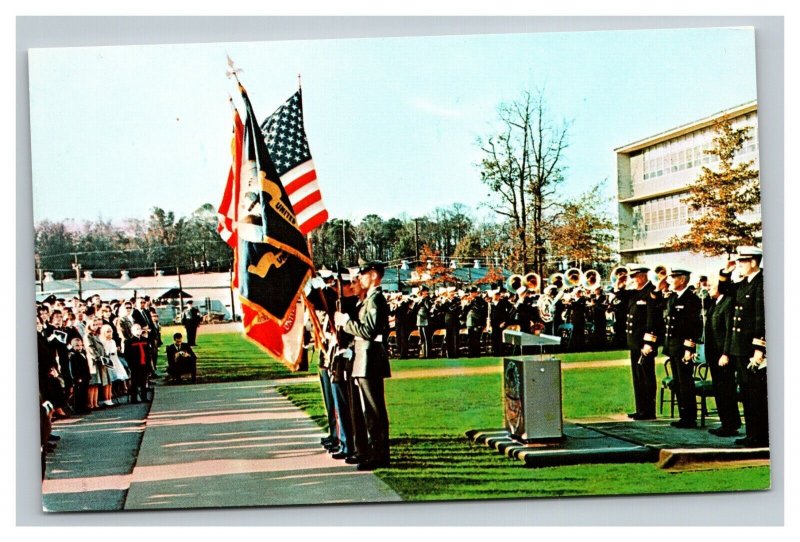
x,y
212,445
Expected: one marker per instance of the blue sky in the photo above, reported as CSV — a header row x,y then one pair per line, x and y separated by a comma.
x,y
392,123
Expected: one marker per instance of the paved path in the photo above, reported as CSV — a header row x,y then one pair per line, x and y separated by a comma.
x,y
211,445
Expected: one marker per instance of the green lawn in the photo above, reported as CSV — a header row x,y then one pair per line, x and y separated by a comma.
x,y
431,457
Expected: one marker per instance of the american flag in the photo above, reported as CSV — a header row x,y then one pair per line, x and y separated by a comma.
x,y
287,144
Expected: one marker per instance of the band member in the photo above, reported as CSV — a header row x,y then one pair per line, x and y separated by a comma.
x,y
684,326
452,322
371,363
717,327
477,312
642,322
746,344
499,316
424,307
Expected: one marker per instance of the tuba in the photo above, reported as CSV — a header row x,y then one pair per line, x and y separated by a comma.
x,y
514,283
574,277
533,282
558,280
592,280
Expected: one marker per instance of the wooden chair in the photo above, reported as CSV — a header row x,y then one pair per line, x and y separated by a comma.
x,y
438,343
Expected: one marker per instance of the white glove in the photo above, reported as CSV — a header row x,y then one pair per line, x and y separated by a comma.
x,y
346,353
340,319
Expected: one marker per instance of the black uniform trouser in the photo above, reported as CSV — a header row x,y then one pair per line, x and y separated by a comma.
x,y
402,341
138,385
327,398
191,335
357,421
376,418
724,381
451,339
683,375
753,385
474,334
497,341
644,383
424,341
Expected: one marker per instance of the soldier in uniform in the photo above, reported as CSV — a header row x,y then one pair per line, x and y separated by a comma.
x,y
191,320
499,316
682,331
371,363
717,327
746,344
452,322
477,312
424,307
642,322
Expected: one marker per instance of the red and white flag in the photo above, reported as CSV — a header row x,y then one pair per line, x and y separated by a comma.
x,y
285,135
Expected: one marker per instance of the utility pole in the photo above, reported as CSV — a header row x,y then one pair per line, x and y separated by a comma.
x,y
416,237
180,288
344,241
233,307
77,267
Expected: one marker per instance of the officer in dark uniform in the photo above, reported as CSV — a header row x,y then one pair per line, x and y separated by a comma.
x,y
717,327
682,331
499,316
642,322
452,323
191,321
746,344
401,326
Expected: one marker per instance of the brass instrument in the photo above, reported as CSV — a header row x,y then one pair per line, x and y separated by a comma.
x,y
574,277
658,276
592,280
514,283
558,280
533,282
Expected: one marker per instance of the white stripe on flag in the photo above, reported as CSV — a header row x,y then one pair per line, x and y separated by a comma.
x,y
307,190
310,212
293,174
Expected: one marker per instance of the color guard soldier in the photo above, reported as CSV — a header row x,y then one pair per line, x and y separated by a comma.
x,y
642,324
682,331
746,344
371,363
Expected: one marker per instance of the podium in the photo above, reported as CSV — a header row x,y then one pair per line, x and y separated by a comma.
x,y
532,391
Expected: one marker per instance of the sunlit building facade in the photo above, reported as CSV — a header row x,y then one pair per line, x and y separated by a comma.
x,y
654,174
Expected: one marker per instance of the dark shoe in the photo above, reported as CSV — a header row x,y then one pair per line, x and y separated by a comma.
x,y
49,447
645,417
684,425
633,415
746,441
53,437
366,465
352,460
340,455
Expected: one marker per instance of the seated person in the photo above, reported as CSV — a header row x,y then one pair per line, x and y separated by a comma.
x,y
181,359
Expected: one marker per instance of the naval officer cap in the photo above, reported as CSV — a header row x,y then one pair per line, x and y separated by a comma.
x,y
679,272
636,268
749,253
372,266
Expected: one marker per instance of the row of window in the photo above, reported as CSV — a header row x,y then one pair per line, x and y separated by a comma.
x,y
662,213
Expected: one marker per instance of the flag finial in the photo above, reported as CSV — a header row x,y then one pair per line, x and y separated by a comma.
x,y
232,69
299,83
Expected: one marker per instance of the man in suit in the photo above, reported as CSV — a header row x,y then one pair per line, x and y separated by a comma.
x,y
642,325
499,316
191,320
746,344
682,331
717,327
371,363
181,359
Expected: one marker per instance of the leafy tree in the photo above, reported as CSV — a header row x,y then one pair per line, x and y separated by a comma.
x,y
721,197
438,273
581,231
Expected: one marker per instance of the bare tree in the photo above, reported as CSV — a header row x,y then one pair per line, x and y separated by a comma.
x,y
523,166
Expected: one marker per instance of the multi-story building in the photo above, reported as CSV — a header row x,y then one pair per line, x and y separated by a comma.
x,y
654,174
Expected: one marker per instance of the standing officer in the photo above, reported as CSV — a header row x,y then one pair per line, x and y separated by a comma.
x,y
452,322
746,344
723,378
424,307
191,320
642,323
477,312
371,363
684,326
499,316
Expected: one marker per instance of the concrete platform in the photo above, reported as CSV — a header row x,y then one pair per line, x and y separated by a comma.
x,y
628,441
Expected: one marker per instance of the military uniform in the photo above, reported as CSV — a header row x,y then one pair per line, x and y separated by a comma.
x,y
499,316
682,331
717,327
643,322
452,325
370,367
424,308
477,312
747,334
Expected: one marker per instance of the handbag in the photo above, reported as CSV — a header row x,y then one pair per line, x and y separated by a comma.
x,y
106,362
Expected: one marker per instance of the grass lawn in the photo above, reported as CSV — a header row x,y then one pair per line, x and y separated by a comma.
x,y
431,457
